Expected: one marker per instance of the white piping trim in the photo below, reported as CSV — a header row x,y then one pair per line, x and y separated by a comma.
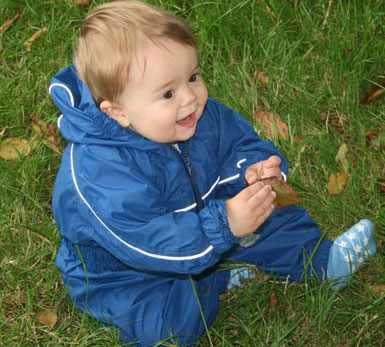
x,y
240,162
157,256
66,88
203,197
229,179
59,120
284,177
186,208
211,189
217,182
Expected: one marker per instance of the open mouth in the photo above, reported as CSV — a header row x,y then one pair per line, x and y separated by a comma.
x,y
187,121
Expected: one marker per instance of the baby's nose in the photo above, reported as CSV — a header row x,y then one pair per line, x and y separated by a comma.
x,y
189,97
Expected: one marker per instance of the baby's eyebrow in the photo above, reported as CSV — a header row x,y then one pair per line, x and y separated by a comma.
x,y
164,85
169,83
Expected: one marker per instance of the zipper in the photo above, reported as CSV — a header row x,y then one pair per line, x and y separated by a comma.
x,y
185,159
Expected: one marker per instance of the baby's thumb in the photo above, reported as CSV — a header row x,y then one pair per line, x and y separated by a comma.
x,y
272,162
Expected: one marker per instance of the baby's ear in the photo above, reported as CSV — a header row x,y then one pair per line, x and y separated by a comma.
x,y
115,112
110,108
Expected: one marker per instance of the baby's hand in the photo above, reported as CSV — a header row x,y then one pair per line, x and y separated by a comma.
x,y
263,169
247,210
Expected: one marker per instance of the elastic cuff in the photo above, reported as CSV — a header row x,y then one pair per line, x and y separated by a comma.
x,y
216,226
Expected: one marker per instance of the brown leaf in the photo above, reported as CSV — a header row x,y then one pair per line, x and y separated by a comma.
x,y
286,195
83,2
381,185
370,135
375,91
262,77
378,141
15,299
13,147
273,126
337,183
34,37
346,51
47,318
377,288
8,22
342,157
233,319
274,302
298,138
47,132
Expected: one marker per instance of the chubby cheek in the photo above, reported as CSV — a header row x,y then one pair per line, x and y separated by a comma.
x,y
204,92
202,96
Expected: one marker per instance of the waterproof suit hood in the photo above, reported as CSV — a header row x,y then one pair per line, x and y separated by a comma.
x,y
82,121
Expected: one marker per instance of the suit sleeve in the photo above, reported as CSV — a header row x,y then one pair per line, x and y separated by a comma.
x,y
239,146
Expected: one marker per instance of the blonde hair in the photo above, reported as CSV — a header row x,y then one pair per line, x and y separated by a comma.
x,y
109,37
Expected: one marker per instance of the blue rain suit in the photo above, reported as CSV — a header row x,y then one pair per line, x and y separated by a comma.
x,y
143,222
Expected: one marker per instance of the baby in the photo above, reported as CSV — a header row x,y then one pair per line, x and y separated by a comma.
x,y
159,186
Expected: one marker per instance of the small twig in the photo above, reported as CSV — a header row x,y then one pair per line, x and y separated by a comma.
x,y
8,22
327,14
34,37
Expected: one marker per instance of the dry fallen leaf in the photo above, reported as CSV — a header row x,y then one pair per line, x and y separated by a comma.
x,y
83,2
13,147
8,22
286,195
274,301
370,136
377,288
273,126
379,140
346,51
233,319
261,77
47,318
342,158
34,37
375,91
15,299
381,185
298,138
337,183
47,132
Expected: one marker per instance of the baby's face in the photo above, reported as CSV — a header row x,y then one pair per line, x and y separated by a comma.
x,y
165,95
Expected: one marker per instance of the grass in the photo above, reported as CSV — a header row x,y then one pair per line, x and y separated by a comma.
x,y
320,58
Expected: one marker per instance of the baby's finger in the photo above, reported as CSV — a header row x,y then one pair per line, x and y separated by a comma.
x,y
251,179
263,198
265,215
272,172
250,191
273,161
252,175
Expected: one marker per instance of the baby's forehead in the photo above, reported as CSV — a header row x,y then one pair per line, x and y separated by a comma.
x,y
148,51
149,47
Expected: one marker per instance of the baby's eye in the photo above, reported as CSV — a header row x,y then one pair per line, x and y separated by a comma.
x,y
193,78
168,94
